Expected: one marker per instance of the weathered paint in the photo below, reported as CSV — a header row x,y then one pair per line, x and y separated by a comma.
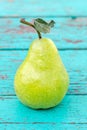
x,y
70,111
58,126
74,42
43,8
69,35
16,35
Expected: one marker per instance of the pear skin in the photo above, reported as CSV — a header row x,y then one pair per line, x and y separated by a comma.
x,y
41,81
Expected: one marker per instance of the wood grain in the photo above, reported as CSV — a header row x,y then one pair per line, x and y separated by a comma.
x,y
67,34
39,126
72,110
70,37
43,8
75,62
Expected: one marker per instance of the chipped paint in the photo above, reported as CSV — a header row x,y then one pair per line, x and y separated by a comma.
x,y
26,29
3,77
9,21
20,30
78,22
73,41
10,0
76,90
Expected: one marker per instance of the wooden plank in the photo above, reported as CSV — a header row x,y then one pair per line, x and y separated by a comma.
x,y
41,8
72,110
75,62
68,33
43,126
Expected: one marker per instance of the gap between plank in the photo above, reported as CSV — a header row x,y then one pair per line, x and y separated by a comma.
x,y
53,123
25,49
46,16
14,95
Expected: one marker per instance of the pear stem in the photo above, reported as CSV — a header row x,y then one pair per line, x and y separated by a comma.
x,y
28,23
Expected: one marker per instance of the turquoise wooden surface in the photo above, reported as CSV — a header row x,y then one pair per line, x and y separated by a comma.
x,y
70,37
70,111
44,126
68,33
43,8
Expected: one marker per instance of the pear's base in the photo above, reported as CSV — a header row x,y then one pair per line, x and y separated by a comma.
x,y
41,108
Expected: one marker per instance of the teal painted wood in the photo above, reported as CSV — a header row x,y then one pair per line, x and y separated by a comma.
x,y
43,8
67,33
75,62
43,126
72,110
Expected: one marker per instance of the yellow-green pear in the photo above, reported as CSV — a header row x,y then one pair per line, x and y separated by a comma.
x,y
41,81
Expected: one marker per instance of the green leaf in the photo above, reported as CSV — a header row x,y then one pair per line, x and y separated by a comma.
x,y
51,23
43,26
41,21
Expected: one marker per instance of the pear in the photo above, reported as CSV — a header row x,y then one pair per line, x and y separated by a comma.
x,y
41,81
